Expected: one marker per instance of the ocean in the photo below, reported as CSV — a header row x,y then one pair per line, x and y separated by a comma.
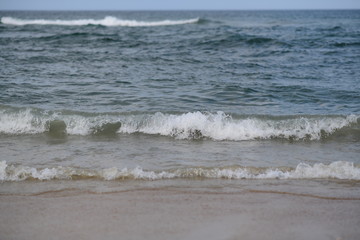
x,y
216,100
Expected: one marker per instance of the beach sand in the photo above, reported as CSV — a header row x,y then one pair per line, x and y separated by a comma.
x,y
163,213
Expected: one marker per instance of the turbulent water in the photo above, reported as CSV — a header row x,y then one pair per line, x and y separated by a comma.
x,y
181,95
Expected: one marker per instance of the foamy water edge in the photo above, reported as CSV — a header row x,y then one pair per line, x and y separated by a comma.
x,y
336,170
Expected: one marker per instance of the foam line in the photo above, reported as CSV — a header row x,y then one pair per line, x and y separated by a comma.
x,y
192,125
107,21
336,170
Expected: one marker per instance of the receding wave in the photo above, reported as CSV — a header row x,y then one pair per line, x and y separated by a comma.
x,y
336,170
192,125
109,21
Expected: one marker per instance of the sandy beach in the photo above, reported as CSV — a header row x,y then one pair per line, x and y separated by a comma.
x,y
177,214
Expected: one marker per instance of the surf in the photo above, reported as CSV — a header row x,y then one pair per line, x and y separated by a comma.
x,y
108,21
336,170
217,126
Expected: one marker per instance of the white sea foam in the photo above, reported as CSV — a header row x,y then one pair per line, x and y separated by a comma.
x,y
220,126
192,125
20,122
336,170
107,21
28,122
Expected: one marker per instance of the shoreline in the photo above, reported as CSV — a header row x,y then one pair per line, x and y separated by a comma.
x,y
177,214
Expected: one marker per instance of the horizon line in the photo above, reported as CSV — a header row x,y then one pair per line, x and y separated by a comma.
x,y
249,9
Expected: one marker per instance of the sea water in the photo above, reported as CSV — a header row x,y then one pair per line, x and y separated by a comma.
x,y
119,99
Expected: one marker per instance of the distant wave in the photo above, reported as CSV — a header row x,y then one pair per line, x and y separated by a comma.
x,y
192,125
231,40
107,21
336,170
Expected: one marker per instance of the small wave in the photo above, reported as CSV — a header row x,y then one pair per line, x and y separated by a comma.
x,y
336,170
231,40
79,35
221,126
192,125
108,21
346,44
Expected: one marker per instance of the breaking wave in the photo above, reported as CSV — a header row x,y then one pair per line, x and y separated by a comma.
x,y
336,170
108,21
192,125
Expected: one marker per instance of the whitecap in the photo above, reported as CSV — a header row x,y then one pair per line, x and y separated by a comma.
x,y
108,21
336,170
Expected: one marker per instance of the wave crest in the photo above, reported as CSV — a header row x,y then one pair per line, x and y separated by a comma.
x,y
108,21
335,170
221,126
192,125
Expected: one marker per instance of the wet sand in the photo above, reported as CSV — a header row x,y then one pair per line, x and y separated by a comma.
x,y
177,214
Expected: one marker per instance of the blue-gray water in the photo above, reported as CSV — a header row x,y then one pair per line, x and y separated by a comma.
x,y
180,95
